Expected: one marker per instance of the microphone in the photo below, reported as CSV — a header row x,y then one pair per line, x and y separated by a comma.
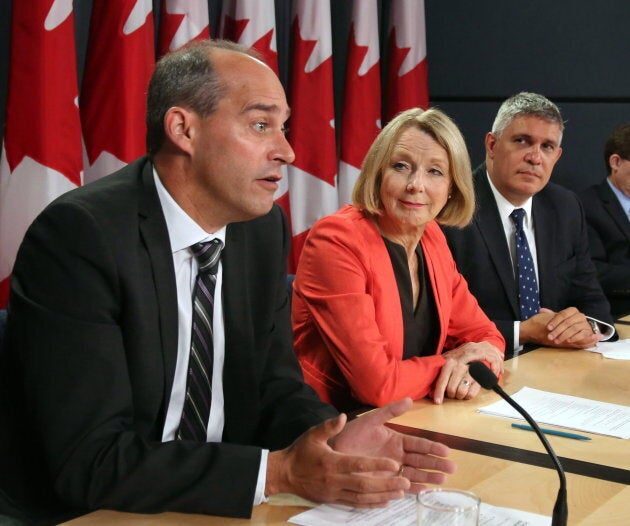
x,y
486,378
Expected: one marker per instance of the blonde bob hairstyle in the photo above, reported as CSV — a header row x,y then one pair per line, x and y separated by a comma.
x,y
459,208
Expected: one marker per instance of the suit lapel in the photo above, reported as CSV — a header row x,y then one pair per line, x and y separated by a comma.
x,y
488,221
154,233
238,321
613,207
544,213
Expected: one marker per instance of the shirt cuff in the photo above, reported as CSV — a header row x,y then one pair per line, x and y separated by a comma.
x,y
517,336
259,496
606,330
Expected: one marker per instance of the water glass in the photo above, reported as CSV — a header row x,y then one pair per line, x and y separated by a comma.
x,y
448,507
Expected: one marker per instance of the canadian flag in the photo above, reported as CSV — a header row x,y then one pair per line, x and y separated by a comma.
x,y
254,24
41,154
120,60
407,80
182,21
361,119
312,176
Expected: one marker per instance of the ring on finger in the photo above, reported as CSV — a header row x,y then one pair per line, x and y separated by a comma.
x,y
400,471
466,383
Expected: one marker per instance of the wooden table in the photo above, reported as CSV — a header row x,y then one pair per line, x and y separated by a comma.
x,y
504,466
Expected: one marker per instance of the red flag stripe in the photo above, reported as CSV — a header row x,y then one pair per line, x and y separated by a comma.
x,y
41,155
119,62
408,84
361,117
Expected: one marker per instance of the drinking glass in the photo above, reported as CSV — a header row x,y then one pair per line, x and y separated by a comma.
x,y
448,507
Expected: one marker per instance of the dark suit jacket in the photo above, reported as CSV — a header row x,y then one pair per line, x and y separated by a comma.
x,y
609,237
565,270
92,337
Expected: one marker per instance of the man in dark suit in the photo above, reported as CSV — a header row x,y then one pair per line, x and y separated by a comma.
x,y
101,319
567,307
607,209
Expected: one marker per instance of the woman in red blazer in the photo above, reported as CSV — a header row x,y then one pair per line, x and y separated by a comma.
x,y
380,311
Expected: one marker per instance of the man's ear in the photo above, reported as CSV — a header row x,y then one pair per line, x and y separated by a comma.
x,y
490,141
178,124
613,161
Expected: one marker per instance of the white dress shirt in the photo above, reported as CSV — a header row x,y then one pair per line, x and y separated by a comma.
x,y
184,232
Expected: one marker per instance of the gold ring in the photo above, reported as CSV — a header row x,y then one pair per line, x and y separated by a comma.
x,y
400,471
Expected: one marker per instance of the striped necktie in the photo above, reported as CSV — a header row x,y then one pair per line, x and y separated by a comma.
x,y
196,411
528,300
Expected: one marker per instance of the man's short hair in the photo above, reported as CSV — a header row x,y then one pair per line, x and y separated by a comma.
x,y
618,142
526,104
186,77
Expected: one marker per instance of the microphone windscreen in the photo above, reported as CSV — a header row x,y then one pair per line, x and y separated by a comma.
x,y
482,375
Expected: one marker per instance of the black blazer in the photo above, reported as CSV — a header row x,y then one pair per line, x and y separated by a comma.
x,y
609,237
565,271
92,345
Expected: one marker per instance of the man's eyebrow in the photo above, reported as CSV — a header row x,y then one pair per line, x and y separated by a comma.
x,y
529,137
267,108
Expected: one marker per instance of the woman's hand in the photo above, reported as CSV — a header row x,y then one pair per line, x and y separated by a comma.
x,y
454,380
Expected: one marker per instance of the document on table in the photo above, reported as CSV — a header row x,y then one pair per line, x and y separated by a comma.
x,y
566,411
619,350
403,513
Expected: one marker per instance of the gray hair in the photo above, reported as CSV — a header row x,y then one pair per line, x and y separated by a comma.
x,y
526,104
186,77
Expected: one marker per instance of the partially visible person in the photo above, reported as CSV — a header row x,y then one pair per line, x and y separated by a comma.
x,y
525,255
147,371
379,309
607,209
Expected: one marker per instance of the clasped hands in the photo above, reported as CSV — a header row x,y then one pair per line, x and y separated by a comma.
x,y
568,328
361,463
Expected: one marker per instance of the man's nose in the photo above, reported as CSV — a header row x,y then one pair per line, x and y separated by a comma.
x,y
534,155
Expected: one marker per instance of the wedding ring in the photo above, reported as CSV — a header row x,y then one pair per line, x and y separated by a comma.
x,y
466,383
400,471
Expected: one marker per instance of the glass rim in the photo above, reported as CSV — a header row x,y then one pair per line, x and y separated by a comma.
x,y
476,500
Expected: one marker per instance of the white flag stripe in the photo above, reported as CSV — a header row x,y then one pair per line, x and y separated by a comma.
x,y
365,20
20,204
311,198
348,176
138,16
314,17
196,20
409,19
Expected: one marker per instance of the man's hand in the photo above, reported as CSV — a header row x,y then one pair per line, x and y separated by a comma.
x,y
312,469
568,328
454,380
358,463
368,435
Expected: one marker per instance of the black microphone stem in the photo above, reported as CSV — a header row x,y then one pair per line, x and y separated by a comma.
x,y
560,513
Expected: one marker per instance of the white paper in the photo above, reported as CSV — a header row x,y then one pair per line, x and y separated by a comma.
x,y
403,513
619,350
566,411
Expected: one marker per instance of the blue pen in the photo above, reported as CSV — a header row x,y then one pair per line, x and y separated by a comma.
x,y
553,432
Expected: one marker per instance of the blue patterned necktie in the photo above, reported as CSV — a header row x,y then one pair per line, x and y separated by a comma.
x,y
196,411
528,299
